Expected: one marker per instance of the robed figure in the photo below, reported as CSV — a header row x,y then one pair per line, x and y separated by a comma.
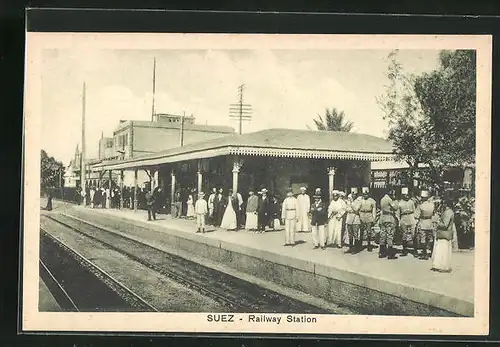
x,y
304,206
190,206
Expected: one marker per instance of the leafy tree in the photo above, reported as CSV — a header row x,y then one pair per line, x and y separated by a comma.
x,y
404,115
432,116
448,98
333,121
50,171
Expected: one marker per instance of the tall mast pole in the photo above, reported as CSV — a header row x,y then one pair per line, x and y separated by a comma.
x,y
61,182
82,156
154,90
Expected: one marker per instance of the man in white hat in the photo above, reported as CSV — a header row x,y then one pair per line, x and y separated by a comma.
x,y
424,213
367,216
201,210
352,220
406,211
304,205
336,211
289,216
388,208
319,217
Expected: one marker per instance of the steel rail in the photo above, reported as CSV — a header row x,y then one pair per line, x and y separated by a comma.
x,y
60,289
93,266
168,273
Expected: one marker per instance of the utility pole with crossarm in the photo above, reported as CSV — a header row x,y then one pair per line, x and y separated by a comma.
x,y
240,111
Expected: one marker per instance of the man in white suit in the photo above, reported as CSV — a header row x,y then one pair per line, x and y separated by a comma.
x,y
201,211
289,216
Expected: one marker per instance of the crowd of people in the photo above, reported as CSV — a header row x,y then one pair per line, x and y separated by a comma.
x,y
97,197
424,226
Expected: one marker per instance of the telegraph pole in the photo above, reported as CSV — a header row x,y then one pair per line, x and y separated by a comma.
x,y
240,111
154,90
82,156
61,182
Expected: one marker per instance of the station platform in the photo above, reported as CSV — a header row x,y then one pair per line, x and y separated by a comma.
x,y
405,286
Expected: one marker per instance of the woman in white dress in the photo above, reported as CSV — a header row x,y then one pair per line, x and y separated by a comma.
x,y
441,256
229,218
190,207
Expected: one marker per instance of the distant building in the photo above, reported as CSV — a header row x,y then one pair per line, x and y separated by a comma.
x,y
70,178
132,139
173,118
106,148
72,171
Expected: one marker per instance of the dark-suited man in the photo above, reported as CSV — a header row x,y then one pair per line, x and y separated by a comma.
x,y
158,199
150,204
319,218
220,204
263,211
211,207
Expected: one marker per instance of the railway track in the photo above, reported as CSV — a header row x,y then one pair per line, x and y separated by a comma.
x,y
79,285
234,294
58,292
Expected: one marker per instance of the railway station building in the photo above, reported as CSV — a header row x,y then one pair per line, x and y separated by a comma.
x,y
273,158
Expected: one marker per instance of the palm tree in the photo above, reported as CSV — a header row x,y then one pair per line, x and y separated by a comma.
x,y
333,121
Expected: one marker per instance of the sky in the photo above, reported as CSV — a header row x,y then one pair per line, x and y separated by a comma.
x,y
286,88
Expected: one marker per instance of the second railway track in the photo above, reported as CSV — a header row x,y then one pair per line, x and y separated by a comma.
x,y
79,285
232,293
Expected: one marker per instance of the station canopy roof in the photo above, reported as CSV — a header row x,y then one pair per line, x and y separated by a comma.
x,y
288,143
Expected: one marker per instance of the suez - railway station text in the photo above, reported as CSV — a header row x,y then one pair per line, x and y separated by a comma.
x,y
261,318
